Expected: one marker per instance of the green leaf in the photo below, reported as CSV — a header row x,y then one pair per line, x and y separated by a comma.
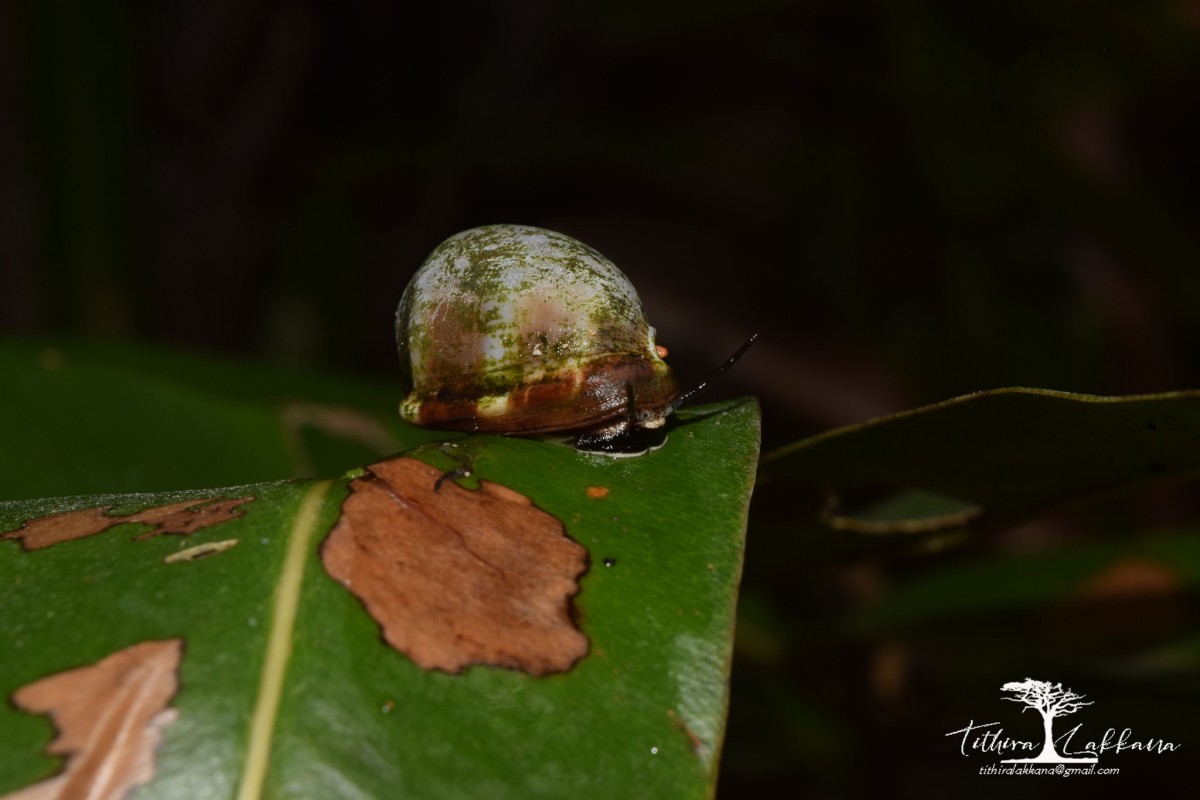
x,y
1003,455
83,419
643,711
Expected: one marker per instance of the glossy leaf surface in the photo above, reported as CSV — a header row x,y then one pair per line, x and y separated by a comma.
x,y
82,419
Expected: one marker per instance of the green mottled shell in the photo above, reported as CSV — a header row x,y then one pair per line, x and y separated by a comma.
x,y
515,329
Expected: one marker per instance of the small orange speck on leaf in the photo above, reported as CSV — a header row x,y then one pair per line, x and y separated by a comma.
x,y
596,492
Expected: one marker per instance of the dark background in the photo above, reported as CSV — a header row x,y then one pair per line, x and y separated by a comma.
x,y
910,200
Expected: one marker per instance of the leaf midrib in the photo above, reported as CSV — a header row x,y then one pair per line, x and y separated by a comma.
x,y
279,642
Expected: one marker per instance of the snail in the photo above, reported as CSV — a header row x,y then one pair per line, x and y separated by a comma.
x,y
512,329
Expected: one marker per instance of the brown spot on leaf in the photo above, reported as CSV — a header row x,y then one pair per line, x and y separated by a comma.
x,y
596,492
45,531
458,577
189,516
184,517
109,716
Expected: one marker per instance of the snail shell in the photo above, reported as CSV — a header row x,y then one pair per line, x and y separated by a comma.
x,y
520,330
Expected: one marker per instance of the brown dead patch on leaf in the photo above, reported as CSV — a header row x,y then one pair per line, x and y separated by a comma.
x,y
182,518
458,577
109,716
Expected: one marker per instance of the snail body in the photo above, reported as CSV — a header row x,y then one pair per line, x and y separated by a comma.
x,y
512,329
